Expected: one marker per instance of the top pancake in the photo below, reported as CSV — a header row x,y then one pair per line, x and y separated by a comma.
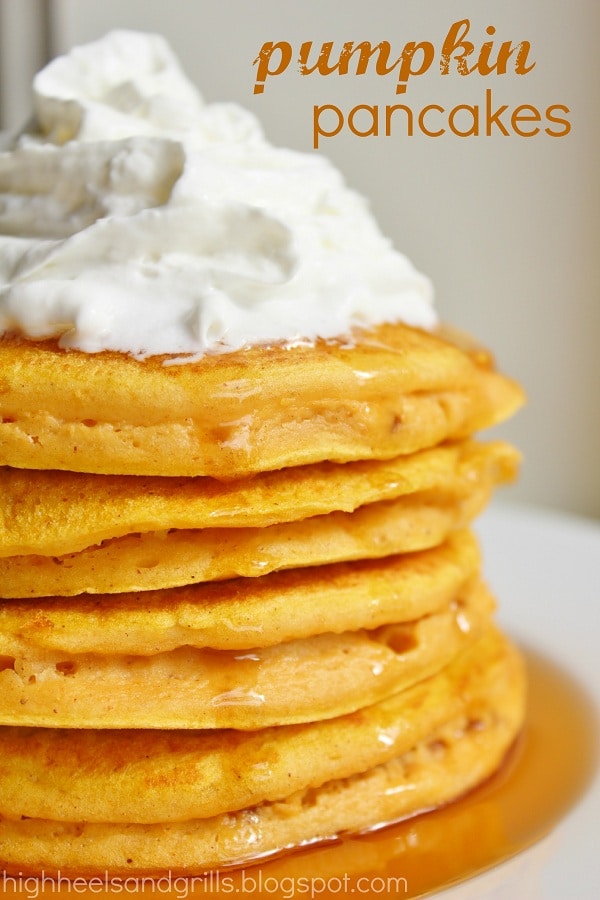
x,y
392,391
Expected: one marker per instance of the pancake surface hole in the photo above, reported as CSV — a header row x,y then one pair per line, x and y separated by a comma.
x,y
399,642
68,667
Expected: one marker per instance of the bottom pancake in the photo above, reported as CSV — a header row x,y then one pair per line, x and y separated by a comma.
x,y
460,751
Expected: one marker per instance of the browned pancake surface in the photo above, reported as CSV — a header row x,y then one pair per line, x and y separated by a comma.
x,y
52,512
177,557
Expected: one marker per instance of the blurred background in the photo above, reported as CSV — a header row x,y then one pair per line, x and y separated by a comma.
x,y
507,227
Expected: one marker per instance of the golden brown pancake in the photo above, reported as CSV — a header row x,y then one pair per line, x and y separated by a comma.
x,y
306,680
394,390
346,778
171,558
244,613
51,512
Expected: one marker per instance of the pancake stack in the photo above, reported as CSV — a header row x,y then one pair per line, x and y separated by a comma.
x,y
242,608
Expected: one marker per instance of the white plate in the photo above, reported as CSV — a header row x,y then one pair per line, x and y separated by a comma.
x,y
545,570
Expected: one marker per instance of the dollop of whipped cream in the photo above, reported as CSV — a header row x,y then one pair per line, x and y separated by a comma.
x,y
136,217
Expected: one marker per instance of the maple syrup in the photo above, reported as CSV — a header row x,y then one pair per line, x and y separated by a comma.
x,y
543,775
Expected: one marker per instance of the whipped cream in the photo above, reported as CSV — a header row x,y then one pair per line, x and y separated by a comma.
x,y
135,217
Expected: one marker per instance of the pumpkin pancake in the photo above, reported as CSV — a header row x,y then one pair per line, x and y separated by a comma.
x,y
391,391
239,607
302,783
168,559
244,613
51,512
300,681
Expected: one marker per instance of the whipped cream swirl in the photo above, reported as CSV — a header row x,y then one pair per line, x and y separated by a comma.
x,y
135,217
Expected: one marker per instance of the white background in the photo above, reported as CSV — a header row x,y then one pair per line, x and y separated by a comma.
x,y
507,227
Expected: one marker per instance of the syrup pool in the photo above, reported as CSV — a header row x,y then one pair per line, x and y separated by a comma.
x,y
543,776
